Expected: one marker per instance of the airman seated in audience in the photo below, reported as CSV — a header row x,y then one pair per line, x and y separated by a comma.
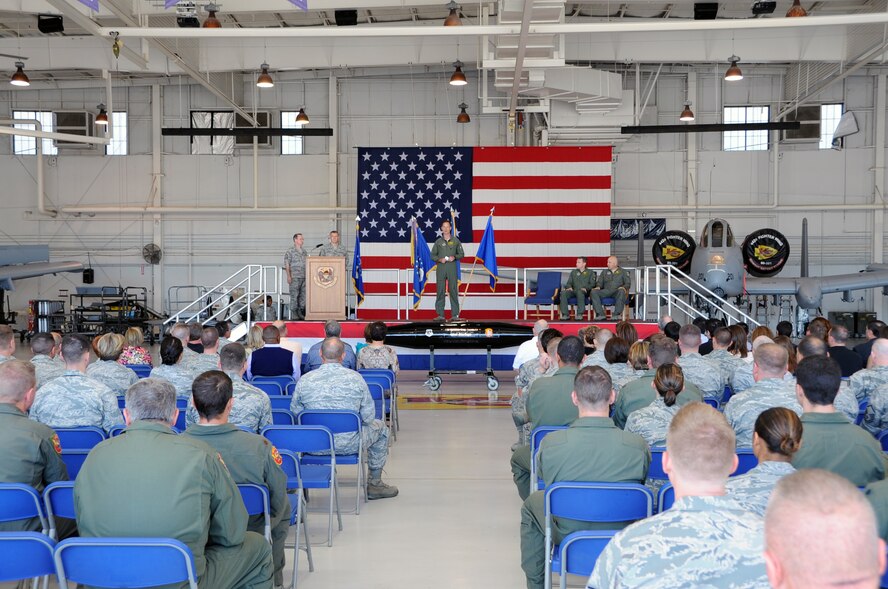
x,y
44,348
106,369
171,368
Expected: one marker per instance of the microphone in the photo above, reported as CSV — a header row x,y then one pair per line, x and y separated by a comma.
x,y
318,245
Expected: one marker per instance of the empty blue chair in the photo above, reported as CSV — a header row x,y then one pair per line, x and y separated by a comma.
x,y
80,438
747,461
142,370
124,562
257,502
578,553
655,470
283,380
280,401
339,422
282,417
615,503
666,497
21,502
25,555
290,466
300,439
536,437
268,387
548,285
59,500
74,460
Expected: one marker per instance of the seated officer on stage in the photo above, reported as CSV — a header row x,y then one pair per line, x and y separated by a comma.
x,y
272,359
150,482
31,450
706,539
829,440
613,282
640,393
549,403
579,283
249,458
592,449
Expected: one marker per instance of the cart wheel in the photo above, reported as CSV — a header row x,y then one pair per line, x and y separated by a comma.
x,y
492,383
434,383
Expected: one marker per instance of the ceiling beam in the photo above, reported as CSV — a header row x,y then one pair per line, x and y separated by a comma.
x,y
89,25
519,56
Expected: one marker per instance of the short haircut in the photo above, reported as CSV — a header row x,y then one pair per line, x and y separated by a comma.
x,y
377,331
593,386
552,348
222,327
669,382
295,235
446,221
548,335
602,336
210,337
232,357
211,392
722,336
151,399
74,346
820,378
571,350
811,345
170,350
672,330
583,258
701,444
689,336
42,343
109,346
784,328
627,331
134,337
16,379
616,351
839,333
7,335
332,328
819,327
701,323
874,327
662,350
771,359
780,429
195,330
822,530
540,326
332,349
180,331
334,231
271,334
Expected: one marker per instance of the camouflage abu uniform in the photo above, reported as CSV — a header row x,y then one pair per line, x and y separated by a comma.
x,y
846,403
295,260
46,369
115,376
333,386
251,407
620,373
876,418
336,251
742,378
864,382
698,542
743,409
703,373
652,422
75,400
177,375
204,363
727,364
596,358
753,489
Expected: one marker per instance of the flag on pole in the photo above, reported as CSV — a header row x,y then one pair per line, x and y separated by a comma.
x,y
422,262
487,252
455,234
357,269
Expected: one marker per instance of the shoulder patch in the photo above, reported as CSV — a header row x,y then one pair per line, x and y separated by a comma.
x,y
56,443
276,456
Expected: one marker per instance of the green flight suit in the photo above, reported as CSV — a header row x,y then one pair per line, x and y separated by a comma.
x,y
831,442
592,449
639,393
615,284
877,493
31,456
578,284
446,278
252,459
150,482
548,403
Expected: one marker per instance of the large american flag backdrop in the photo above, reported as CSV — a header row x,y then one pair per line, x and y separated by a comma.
x,y
552,204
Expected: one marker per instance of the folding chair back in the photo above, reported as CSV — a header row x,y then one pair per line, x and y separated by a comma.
x,y
80,438
282,417
116,430
666,497
579,551
300,438
655,470
713,403
257,502
142,370
124,562
283,381
268,387
25,555
536,437
280,401
385,373
747,461
74,460
377,392
59,500
861,411
339,422
19,502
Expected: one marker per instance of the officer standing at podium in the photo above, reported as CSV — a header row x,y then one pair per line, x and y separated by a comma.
x,y
294,265
334,247
446,252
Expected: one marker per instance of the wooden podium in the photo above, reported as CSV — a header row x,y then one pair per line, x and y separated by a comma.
x,y
325,280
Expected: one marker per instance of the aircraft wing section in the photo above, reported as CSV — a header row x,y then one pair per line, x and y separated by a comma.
x,y
775,286
810,291
16,272
874,276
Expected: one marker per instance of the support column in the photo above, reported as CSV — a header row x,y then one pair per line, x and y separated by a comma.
x,y
691,164
879,187
158,270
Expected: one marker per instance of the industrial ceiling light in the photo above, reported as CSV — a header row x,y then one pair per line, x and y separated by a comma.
x,y
102,117
212,22
796,10
452,19
19,78
302,118
687,115
458,78
733,74
463,116
264,80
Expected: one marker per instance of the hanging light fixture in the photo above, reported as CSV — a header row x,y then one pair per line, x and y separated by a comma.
x,y
264,80
212,22
19,78
302,118
463,116
452,19
733,73
458,78
796,10
102,117
687,115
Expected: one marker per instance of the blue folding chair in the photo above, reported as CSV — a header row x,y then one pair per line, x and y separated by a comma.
x,y
655,470
25,555
713,403
290,466
116,430
861,411
142,370
339,422
282,417
59,500
377,393
80,438
579,551
257,502
124,562
283,381
615,503
182,406
392,389
291,388
536,437
547,287
74,460
21,502
300,439
121,402
747,461
268,387
383,403
572,302
666,497
280,401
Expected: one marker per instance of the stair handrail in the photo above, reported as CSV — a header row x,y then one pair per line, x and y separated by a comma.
x,y
670,274
224,289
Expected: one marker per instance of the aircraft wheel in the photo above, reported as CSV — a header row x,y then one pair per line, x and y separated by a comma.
x,y
434,383
492,383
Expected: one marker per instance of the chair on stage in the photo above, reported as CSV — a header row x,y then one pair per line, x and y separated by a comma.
x,y
609,302
548,285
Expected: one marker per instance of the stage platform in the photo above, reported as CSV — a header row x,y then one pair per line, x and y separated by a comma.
x,y
310,332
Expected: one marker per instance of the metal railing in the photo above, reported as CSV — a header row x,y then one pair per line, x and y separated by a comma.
x,y
637,274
